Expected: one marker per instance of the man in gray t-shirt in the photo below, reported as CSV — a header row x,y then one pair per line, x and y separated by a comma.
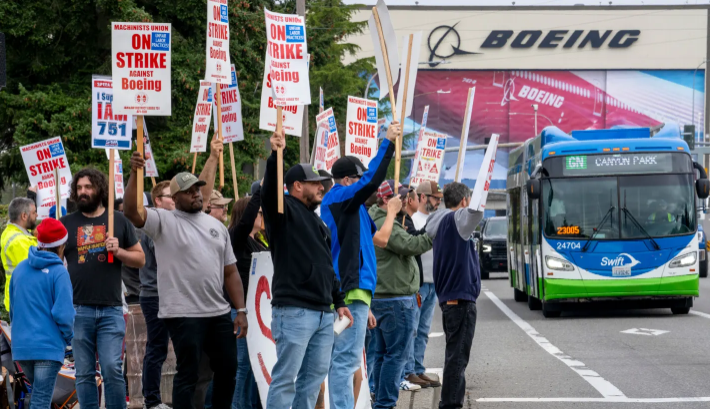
x,y
195,259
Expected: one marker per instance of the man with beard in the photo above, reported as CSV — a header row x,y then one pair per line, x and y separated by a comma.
x,y
16,239
99,327
304,284
194,261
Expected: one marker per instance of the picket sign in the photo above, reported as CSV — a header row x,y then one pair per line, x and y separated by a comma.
x,y
431,158
41,159
108,129
217,49
201,119
325,122
288,63
361,129
260,341
404,90
385,42
381,128
117,173
417,149
320,146
464,135
291,115
151,169
485,174
230,119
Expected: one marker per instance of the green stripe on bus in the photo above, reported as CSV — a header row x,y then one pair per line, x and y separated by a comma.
x,y
686,285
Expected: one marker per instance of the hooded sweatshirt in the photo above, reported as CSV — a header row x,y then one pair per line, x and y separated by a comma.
x,y
456,272
42,313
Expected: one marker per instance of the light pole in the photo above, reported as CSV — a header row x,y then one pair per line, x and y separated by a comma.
x,y
693,113
535,108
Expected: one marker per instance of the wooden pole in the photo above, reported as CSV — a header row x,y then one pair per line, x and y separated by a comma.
x,y
280,160
139,174
112,192
194,162
383,47
463,134
234,172
152,179
219,132
398,147
57,195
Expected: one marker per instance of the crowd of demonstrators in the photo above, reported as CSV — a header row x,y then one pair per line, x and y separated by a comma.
x,y
16,239
457,280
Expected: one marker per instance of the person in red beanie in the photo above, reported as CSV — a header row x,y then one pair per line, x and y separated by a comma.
x,y
41,312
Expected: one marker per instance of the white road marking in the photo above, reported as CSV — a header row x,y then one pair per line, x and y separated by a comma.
x,y
603,386
700,314
645,331
599,400
436,334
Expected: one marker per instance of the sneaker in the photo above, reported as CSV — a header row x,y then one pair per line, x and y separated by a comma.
x,y
158,406
408,386
432,383
413,378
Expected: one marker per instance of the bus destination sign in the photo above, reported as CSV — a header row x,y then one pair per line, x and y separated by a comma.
x,y
582,165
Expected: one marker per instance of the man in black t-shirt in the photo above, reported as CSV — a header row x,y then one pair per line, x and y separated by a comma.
x,y
94,261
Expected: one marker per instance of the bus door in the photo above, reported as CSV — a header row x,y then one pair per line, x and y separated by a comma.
x,y
525,241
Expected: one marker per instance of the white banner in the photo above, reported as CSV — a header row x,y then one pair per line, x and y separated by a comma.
x,y
361,129
117,173
108,130
390,39
217,42
417,148
292,114
485,173
232,128
431,157
201,120
413,69
466,125
288,63
326,119
41,158
140,61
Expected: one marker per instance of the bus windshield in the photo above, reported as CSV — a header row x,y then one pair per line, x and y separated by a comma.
x,y
573,208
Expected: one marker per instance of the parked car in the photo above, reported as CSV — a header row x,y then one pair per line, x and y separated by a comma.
x,y
492,255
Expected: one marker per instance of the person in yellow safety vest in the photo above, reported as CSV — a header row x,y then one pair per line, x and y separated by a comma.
x,y
661,214
16,239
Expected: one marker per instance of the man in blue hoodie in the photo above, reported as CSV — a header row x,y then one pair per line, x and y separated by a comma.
x,y
42,312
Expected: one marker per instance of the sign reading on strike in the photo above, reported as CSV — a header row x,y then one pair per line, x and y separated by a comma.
x,y
201,120
41,158
418,146
108,130
217,42
431,157
288,60
232,129
321,146
326,121
361,129
292,115
140,61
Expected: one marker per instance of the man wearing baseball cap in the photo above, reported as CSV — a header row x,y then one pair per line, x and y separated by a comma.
x,y
42,312
304,285
218,207
354,258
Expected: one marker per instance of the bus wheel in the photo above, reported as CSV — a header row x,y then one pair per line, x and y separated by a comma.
x,y
519,296
533,303
680,310
548,312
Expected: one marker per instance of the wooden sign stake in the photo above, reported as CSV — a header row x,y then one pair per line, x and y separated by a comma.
x,y
139,174
219,132
463,133
194,162
112,192
398,147
280,160
57,195
152,179
234,172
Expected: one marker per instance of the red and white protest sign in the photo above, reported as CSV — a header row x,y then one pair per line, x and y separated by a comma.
x,y
485,174
217,42
140,61
117,173
326,121
431,157
201,120
151,169
232,128
292,115
361,129
288,58
41,158
417,147
108,130
320,145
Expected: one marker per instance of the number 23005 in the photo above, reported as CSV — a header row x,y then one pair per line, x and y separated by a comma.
x,y
567,230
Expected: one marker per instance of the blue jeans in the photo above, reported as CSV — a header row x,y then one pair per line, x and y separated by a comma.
x,y
347,354
304,341
42,376
422,325
392,338
246,393
156,351
99,330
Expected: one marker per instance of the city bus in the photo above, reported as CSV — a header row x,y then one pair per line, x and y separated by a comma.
x,y
604,216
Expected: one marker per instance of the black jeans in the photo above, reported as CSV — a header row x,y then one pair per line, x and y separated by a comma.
x,y
459,326
215,336
156,351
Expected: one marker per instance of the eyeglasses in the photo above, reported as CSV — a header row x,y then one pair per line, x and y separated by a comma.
x,y
438,199
165,196
221,207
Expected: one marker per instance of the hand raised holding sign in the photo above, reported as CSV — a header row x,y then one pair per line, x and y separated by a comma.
x,y
216,146
278,140
394,131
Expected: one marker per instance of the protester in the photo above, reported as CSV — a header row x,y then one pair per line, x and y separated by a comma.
x,y
195,260
354,260
411,204
393,305
218,207
457,280
99,325
16,239
156,346
245,225
118,204
429,200
327,183
304,284
42,312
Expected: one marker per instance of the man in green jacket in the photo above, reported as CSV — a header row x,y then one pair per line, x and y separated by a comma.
x,y
394,304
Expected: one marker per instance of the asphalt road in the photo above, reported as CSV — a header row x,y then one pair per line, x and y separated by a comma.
x,y
582,359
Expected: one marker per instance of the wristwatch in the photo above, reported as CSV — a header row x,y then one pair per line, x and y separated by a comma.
x,y
244,310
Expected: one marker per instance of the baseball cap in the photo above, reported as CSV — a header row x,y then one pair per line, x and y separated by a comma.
x,y
218,199
348,166
183,181
404,190
51,233
429,188
325,173
386,189
256,185
303,172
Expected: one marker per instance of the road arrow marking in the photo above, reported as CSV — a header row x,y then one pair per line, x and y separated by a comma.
x,y
645,331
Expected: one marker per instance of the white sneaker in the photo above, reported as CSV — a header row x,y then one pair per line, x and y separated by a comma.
x,y
159,406
408,386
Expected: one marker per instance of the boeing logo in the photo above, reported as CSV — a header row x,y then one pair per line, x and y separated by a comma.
x,y
437,36
623,259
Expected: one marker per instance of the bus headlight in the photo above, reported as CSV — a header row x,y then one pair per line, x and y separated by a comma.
x,y
687,259
486,248
555,263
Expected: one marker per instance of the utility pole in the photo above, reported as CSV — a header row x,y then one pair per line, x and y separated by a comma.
x,y
304,150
